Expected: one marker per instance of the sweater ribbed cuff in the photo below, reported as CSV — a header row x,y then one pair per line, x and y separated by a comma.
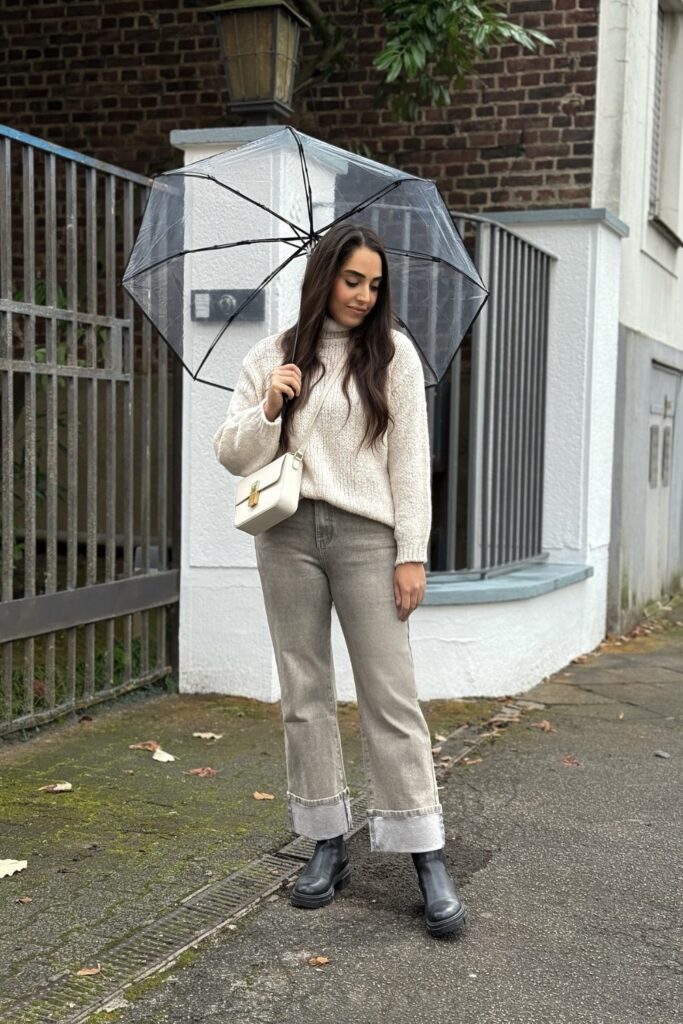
x,y
277,422
410,551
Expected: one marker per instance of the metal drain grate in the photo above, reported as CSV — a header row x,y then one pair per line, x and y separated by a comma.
x,y
301,848
67,999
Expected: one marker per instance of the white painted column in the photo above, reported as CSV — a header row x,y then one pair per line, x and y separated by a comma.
x,y
224,644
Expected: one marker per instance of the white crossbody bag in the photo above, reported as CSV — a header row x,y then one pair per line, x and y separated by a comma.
x,y
271,494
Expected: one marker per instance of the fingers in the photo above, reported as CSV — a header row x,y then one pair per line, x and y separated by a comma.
x,y
286,380
407,598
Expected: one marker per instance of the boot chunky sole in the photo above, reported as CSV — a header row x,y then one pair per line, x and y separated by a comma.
x,y
450,925
307,902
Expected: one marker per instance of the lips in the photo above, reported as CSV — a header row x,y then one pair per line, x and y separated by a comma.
x,y
360,312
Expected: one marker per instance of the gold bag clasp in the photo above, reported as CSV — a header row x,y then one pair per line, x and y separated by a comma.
x,y
254,494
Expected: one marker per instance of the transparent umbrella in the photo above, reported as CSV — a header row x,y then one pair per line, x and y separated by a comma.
x,y
220,254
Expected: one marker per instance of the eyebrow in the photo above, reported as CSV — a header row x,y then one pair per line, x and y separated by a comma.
x,y
358,274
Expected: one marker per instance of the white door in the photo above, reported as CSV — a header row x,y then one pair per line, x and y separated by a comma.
x,y
663,519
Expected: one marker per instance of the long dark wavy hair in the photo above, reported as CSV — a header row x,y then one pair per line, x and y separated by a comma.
x,y
371,347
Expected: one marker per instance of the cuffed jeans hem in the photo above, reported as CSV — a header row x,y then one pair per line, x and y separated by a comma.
x,y
406,831
320,819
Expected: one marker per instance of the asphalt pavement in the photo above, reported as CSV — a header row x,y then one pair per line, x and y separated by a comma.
x,y
564,833
567,846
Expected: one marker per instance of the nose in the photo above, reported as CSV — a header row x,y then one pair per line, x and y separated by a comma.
x,y
364,293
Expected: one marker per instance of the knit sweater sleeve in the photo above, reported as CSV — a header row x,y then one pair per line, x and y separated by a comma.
x,y
408,455
247,440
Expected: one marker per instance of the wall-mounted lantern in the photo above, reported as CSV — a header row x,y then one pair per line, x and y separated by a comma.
x,y
259,44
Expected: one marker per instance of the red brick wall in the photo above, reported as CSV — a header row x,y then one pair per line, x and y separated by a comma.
x,y
111,79
114,79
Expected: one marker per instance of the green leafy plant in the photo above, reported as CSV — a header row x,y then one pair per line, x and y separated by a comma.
x,y
430,48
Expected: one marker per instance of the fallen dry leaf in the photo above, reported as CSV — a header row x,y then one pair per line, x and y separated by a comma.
x,y
439,737
446,759
263,796
545,726
88,970
147,745
318,961
471,760
580,660
209,735
569,761
24,899
56,787
621,715
161,755
203,773
436,751
9,867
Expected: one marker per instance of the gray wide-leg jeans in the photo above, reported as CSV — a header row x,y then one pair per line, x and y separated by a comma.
x,y
318,557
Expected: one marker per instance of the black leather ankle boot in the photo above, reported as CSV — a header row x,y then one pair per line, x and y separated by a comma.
x,y
327,870
444,913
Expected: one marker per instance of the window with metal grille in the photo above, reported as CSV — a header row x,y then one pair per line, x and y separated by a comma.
x,y
666,163
487,417
657,118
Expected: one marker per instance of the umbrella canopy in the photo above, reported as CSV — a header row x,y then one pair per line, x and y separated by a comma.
x,y
220,254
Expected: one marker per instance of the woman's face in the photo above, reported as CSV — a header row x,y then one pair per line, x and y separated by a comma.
x,y
355,287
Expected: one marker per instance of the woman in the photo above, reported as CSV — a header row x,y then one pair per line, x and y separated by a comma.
x,y
358,540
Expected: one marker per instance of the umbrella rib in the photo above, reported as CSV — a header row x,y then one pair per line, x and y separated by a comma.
x,y
436,259
209,177
362,206
246,302
207,248
405,327
306,178
464,333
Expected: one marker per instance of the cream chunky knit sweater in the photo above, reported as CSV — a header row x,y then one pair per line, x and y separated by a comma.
x,y
390,483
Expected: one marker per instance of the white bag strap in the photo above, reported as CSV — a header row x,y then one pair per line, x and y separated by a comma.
x,y
299,454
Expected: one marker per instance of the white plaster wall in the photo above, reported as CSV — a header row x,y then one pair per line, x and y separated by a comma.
x,y
504,648
651,299
459,651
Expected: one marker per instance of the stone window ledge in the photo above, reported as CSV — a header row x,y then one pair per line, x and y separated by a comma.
x,y
533,581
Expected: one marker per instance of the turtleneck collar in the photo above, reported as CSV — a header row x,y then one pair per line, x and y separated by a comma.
x,y
333,332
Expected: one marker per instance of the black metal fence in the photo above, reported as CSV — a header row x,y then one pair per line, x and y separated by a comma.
x,y
487,417
89,406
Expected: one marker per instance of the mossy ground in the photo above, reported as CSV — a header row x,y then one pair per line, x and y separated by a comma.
x,y
136,835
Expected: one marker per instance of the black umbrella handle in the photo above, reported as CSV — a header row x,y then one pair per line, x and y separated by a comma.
x,y
285,398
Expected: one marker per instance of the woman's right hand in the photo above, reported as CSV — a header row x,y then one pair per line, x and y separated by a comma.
x,y
283,380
